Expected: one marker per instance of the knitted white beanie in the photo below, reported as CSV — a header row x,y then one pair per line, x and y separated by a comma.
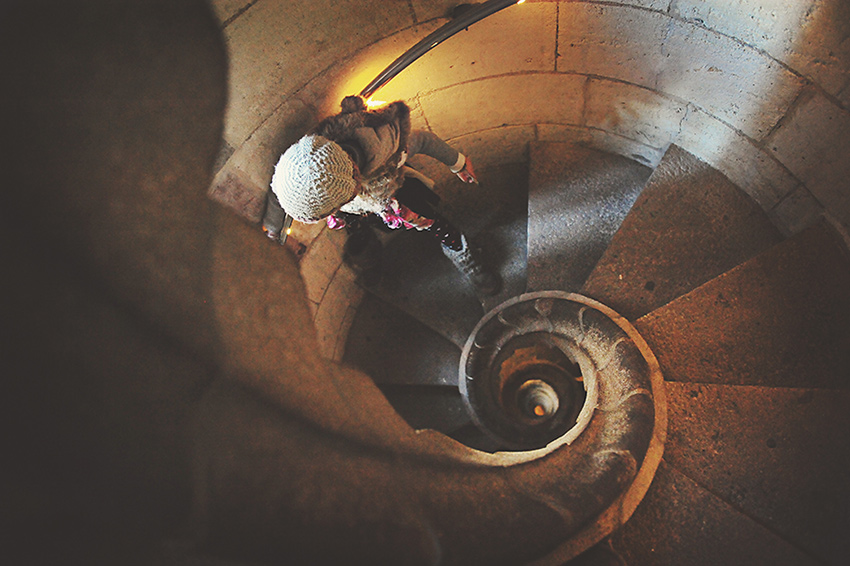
x,y
312,178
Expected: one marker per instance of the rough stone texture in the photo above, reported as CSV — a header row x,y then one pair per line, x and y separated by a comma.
x,y
335,312
778,455
516,39
473,106
601,140
321,262
277,47
736,83
225,10
633,112
392,347
795,212
427,9
809,36
680,522
258,155
491,148
429,407
688,225
750,167
813,142
234,190
752,320
565,239
598,39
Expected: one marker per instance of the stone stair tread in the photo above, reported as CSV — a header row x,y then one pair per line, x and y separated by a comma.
x,y
393,347
780,319
577,199
777,454
419,280
679,522
428,406
689,225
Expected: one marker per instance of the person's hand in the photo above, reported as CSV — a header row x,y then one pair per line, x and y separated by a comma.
x,y
467,174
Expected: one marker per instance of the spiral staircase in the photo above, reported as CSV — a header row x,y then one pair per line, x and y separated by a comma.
x,y
750,329
164,397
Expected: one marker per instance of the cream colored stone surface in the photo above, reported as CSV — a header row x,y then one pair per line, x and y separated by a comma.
x,y
509,100
320,264
796,212
277,47
814,143
611,41
262,150
496,146
517,39
602,140
808,35
735,83
334,315
633,112
756,172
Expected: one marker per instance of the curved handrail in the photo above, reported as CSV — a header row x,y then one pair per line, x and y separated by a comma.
x,y
435,38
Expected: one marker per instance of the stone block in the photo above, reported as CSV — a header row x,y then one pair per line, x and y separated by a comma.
x,y
334,315
497,146
810,37
814,143
352,74
224,10
509,100
431,9
736,83
752,169
277,47
796,212
633,112
602,140
257,156
621,42
517,39
319,266
232,188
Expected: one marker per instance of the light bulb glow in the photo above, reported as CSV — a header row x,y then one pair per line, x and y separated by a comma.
x,y
374,103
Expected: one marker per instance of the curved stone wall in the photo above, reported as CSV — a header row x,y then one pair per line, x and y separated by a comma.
x,y
756,88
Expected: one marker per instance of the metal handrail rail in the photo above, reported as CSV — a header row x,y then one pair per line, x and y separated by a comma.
x,y
463,21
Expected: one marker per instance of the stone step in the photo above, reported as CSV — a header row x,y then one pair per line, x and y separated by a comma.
x,y
577,199
680,522
689,225
394,348
428,406
781,319
419,280
778,455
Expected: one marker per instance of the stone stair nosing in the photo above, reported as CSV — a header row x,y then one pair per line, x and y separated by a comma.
x,y
780,319
689,225
778,455
680,522
394,348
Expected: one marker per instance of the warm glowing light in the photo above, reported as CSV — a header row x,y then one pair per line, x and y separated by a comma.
x,y
520,1
288,231
539,410
373,103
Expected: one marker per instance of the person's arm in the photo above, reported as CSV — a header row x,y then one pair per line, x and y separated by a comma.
x,y
428,144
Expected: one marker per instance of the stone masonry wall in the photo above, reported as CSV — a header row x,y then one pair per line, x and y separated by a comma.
x,y
759,89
